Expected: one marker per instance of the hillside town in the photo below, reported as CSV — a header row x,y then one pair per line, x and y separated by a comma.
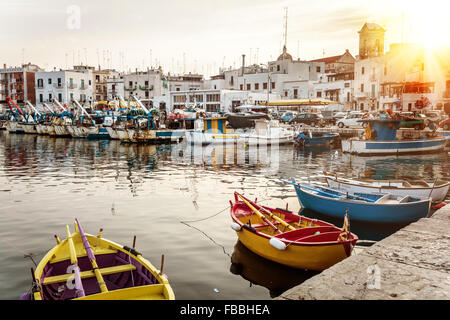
x,y
400,78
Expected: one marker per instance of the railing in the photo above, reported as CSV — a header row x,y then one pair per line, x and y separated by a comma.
x,y
40,86
83,87
131,89
149,88
72,86
58,85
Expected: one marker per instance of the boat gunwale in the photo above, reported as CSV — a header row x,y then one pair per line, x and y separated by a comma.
x,y
354,201
290,242
443,185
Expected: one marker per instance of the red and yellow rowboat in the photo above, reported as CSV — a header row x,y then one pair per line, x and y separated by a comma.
x,y
290,239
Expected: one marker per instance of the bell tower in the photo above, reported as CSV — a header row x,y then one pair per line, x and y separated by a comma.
x,y
371,41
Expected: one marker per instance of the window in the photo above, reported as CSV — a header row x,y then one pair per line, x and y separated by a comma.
x,y
49,81
49,97
264,85
286,93
319,94
97,78
59,82
273,85
59,96
295,93
41,97
348,96
130,84
317,69
241,87
362,70
278,67
373,90
40,83
146,94
256,86
90,82
146,83
178,89
347,85
362,87
248,86
82,84
71,95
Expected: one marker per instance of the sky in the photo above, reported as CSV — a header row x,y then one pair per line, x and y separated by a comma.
x,y
202,36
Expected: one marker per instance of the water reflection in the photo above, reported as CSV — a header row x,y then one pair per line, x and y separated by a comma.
x,y
276,277
148,189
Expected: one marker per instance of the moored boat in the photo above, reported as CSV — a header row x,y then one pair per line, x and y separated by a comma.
x,y
315,138
88,267
436,190
290,239
379,208
381,138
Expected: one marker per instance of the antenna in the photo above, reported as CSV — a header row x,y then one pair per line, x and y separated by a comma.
x,y
285,25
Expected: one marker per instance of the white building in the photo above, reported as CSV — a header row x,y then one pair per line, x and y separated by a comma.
x,y
65,86
145,85
115,87
211,100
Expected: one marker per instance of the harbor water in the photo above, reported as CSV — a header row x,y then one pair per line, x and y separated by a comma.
x,y
175,199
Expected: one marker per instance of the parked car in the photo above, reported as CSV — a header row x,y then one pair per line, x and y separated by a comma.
x,y
311,119
433,116
445,124
351,120
288,116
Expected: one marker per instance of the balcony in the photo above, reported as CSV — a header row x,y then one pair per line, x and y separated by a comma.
x,y
83,87
72,86
130,89
58,85
146,88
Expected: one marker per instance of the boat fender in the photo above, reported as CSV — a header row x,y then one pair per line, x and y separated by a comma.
x,y
236,227
131,250
277,244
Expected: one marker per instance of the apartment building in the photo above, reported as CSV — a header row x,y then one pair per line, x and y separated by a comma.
x,y
18,83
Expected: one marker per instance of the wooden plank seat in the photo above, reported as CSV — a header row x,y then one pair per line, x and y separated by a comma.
x,y
148,292
89,273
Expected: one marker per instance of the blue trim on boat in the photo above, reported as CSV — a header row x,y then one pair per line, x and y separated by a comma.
x,y
404,145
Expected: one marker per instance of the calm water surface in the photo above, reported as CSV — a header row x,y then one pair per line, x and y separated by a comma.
x,y
174,199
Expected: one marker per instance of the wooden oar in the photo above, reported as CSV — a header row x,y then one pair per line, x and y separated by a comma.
x,y
271,215
91,257
74,262
259,214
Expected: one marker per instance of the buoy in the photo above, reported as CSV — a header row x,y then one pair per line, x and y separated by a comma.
x,y
235,227
277,244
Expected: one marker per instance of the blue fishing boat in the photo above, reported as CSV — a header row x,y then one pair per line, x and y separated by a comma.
x,y
380,137
380,208
315,138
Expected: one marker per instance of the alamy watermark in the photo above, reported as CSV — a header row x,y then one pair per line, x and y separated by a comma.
x,y
73,21
374,277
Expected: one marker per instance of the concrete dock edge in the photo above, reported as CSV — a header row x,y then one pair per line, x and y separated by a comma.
x,y
413,263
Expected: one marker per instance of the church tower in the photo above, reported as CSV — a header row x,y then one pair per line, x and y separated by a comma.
x,y
371,41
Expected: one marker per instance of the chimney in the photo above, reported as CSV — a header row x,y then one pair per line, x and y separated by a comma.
x,y
243,63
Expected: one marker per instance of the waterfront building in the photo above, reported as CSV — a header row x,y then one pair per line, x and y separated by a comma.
x,y
115,87
211,100
144,85
18,83
100,82
65,85
337,82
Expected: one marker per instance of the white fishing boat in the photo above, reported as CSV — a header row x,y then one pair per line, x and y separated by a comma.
x,y
215,131
436,190
380,138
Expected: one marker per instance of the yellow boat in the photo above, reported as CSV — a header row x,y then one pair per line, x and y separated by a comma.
x,y
88,267
289,239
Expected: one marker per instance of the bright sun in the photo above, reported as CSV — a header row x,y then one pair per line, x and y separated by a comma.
x,y
427,22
